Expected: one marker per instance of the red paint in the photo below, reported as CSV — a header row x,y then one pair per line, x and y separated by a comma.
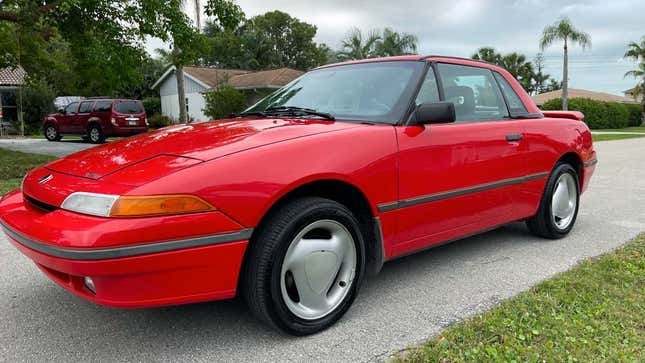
x,y
244,166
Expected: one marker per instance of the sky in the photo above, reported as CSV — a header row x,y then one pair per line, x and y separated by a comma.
x,y
460,27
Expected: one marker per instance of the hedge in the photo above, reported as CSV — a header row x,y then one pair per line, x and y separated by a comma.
x,y
600,114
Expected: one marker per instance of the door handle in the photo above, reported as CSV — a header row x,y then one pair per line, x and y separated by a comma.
x,y
513,137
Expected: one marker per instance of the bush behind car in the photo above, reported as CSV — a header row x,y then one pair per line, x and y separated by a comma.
x,y
601,114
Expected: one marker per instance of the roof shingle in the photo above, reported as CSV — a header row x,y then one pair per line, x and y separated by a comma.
x,y
12,76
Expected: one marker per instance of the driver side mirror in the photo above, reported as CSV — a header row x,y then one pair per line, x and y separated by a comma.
x,y
61,110
434,113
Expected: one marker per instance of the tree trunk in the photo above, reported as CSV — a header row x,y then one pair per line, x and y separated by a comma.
x,y
565,78
181,93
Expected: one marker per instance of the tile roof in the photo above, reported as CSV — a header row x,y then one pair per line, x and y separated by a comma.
x,y
212,76
581,93
274,78
12,76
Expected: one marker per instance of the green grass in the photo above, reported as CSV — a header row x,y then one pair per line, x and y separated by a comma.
x,y
609,137
14,165
626,129
592,313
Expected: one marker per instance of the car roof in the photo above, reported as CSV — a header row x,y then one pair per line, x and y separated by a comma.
x,y
416,57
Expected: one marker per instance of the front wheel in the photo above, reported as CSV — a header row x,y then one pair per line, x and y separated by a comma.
x,y
304,266
559,205
52,134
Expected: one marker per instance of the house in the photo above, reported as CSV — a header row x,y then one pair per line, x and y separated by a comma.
x,y
630,93
581,93
199,80
11,79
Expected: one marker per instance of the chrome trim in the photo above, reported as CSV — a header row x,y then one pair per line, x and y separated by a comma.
x,y
589,163
385,207
126,251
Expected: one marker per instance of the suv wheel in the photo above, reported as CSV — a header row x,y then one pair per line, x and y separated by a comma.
x,y
95,134
304,266
51,133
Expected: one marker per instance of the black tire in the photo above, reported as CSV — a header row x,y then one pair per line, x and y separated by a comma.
x,y
542,224
95,134
52,134
261,274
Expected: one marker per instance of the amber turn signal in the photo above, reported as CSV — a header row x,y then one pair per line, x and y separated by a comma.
x,y
158,205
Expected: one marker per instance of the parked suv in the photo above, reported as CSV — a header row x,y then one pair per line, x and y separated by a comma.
x,y
97,119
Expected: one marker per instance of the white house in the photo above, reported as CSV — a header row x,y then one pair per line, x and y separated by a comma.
x,y
198,80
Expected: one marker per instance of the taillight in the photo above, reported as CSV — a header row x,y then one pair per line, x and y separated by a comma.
x,y
113,121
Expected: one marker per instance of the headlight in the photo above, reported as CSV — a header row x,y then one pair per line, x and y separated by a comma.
x,y
90,203
105,205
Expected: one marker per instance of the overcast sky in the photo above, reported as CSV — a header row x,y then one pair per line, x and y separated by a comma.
x,y
459,27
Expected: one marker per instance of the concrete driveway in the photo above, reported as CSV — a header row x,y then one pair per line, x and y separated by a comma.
x,y
42,146
412,299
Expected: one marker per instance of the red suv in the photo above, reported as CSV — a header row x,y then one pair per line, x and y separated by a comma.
x,y
97,119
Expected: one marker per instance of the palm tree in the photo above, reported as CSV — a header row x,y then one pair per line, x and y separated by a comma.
x,y
487,54
565,31
636,52
356,45
393,43
517,65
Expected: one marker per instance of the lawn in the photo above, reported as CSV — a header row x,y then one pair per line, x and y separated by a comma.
x,y
609,137
14,165
592,313
626,129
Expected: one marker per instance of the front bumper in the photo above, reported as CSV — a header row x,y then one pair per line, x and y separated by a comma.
x,y
167,265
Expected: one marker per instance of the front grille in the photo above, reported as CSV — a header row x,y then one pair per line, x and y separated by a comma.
x,y
40,205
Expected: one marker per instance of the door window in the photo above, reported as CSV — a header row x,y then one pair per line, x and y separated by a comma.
x,y
473,91
429,91
71,108
86,107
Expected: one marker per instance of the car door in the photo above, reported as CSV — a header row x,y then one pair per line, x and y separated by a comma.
x,y
459,178
84,112
66,122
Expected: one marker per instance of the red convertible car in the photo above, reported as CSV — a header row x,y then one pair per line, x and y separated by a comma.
x,y
294,201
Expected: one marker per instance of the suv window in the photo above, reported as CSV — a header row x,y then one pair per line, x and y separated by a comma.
x,y
71,108
103,106
128,107
429,91
473,91
514,101
85,107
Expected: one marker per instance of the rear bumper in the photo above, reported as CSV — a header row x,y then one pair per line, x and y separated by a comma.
x,y
173,271
125,130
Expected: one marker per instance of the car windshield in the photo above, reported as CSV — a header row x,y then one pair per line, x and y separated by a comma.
x,y
128,107
373,92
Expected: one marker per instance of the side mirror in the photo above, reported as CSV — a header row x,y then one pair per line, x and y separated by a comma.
x,y
61,110
435,113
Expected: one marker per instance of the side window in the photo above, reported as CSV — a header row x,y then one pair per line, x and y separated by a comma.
x,y
473,91
429,91
515,103
103,106
71,108
86,107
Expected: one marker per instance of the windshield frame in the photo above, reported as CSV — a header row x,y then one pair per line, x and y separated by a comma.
x,y
399,110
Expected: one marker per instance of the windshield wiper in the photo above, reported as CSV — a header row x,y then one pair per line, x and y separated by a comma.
x,y
250,113
297,111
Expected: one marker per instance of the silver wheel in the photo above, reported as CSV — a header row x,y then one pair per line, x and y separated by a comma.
x,y
51,133
318,269
564,201
95,134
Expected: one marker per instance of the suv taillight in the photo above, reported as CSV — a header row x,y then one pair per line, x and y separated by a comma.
x,y
113,121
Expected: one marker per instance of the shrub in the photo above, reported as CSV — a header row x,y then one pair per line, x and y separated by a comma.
x,y
600,114
38,100
152,105
158,121
223,101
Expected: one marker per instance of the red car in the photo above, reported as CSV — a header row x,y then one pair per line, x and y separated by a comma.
x,y
97,119
293,202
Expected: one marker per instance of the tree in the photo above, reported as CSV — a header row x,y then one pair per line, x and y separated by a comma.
x,y
393,43
517,65
539,77
636,52
223,101
487,54
564,31
357,45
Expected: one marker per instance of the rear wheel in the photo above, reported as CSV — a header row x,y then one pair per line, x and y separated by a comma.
x,y
52,134
304,266
95,134
559,205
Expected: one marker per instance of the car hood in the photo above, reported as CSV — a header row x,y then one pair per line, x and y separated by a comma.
x,y
198,142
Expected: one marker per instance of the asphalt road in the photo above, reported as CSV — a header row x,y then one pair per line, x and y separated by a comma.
x,y
61,148
412,299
